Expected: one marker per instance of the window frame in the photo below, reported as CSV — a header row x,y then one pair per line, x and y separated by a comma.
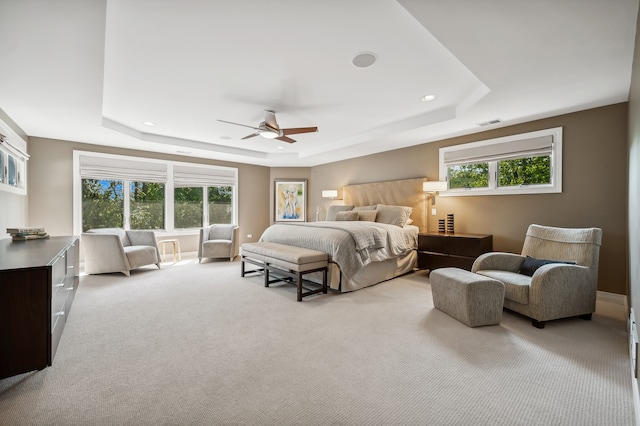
x,y
168,181
492,159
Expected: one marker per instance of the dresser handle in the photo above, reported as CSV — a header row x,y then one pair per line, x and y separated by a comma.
x,y
59,285
59,314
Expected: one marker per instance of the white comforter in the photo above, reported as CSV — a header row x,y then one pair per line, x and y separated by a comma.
x,y
351,245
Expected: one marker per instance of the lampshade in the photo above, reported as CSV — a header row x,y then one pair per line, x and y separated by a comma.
x,y
434,186
329,193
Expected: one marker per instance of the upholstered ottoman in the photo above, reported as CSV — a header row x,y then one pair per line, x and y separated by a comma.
x,y
470,298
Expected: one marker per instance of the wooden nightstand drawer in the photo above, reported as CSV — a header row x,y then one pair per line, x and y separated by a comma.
x,y
451,250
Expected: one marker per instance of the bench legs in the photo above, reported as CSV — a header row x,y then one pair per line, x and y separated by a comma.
x,y
290,276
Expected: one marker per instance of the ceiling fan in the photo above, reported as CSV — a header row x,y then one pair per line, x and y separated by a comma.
x,y
269,128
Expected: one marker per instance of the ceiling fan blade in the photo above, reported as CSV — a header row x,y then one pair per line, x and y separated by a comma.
x,y
285,139
295,130
251,135
238,124
270,119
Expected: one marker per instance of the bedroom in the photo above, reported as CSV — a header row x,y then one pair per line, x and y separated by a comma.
x,y
596,185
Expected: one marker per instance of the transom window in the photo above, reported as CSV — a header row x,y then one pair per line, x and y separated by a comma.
x,y
528,163
137,193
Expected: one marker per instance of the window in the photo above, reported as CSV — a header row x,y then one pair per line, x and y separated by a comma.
x,y
138,193
102,204
521,164
188,207
146,205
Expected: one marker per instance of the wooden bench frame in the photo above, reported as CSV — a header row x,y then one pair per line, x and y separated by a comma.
x,y
289,275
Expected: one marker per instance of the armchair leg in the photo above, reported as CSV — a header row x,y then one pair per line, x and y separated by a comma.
x,y
537,324
586,317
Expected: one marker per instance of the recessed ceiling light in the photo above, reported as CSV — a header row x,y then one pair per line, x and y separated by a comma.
x,y
364,59
428,98
281,147
149,123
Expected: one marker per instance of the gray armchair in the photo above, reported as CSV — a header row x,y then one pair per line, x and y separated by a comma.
x,y
553,290
116,250
218,241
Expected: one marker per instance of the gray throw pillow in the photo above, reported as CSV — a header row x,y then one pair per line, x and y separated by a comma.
x,y
367,215
347,215
333,210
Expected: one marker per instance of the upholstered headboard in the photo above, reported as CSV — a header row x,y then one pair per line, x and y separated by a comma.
x,y
405,192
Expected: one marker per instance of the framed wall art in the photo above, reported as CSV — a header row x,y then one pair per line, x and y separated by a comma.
x,y
290,200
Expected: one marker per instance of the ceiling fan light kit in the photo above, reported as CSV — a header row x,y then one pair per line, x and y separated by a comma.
x,y
269,128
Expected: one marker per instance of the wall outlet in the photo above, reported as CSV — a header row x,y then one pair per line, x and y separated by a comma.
x,y
249,235
433,212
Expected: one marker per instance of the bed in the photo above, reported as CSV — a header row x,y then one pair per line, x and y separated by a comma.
x,y
363,252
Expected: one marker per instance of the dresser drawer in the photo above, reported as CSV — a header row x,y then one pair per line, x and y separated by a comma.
x,y
58,304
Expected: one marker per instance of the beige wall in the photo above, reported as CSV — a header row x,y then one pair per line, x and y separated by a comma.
x,y
594,186
51,188
13,212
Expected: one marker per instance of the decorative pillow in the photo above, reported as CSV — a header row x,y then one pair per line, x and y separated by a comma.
x,y
332,210
393,215
365,208
531,264
367,215
347,215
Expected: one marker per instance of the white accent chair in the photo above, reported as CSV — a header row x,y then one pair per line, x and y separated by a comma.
x,y
547,291
219,241
109,250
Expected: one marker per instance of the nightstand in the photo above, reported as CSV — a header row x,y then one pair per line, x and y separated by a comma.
x,y
438,250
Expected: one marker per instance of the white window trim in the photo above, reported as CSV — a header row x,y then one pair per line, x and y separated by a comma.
x,y
556,167
169,184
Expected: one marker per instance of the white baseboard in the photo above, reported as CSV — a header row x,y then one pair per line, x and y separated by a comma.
x,y
618,299
633,358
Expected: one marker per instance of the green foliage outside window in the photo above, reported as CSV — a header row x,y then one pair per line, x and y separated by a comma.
x,y
219,199
146,205
469,176
188,207
524,171
102,204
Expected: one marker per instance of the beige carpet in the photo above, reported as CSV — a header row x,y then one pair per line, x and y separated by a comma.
x,y
195,344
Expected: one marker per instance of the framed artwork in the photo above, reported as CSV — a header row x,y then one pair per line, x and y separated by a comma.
x,y
290,200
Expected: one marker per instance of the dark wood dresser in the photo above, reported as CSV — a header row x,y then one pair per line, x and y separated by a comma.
x,y
38,280
438,250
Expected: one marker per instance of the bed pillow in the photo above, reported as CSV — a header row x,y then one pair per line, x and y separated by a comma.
x,y
347,215
332,210
367,215
365,208
393,215
531,264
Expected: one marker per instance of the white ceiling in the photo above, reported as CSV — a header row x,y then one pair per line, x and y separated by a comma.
x,y
93,70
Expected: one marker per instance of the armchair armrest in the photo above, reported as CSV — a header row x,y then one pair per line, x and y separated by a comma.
x,y
235,244
563,284
104,253
498,261
203,231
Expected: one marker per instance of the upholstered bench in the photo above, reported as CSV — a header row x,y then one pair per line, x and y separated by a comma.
x,y
470,298
288,261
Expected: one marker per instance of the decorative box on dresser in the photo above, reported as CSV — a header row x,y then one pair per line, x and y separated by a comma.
x,y
439,250
38,281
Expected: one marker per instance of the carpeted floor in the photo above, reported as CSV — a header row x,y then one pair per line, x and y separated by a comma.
x,y
195,344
